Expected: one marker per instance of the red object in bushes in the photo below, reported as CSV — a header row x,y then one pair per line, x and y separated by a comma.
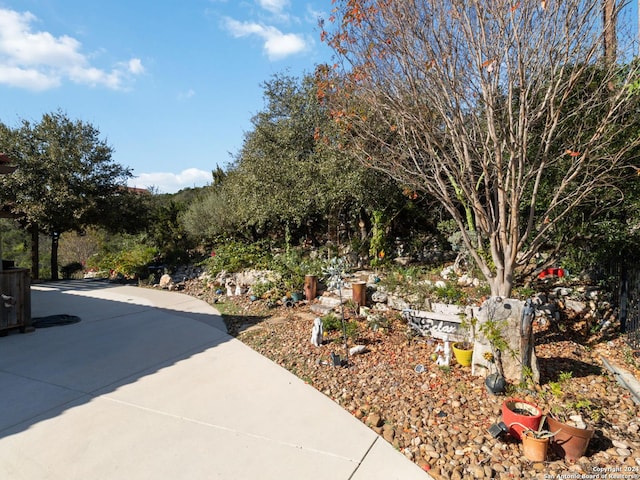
x,y
551,272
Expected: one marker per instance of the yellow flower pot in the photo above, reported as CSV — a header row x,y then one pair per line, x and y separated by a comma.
x,y
463,356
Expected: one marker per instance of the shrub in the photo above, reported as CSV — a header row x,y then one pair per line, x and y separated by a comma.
x,y
131,262
233,256
332,323
70,269
451,293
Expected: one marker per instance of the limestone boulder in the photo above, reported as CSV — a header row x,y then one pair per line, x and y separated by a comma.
x,y
507,313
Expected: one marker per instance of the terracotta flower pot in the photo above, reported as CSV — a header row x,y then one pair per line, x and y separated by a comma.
x,y
570,442
359,293
535,449
519,415
463,356
310,287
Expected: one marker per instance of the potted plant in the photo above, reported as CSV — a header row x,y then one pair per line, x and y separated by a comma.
x,y
535,443
310,287
463,351
519,415
492,330
566,417
569,442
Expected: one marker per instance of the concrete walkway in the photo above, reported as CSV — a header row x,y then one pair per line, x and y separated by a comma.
x,y
150,386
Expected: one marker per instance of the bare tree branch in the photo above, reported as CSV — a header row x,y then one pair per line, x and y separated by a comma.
x,y
505,111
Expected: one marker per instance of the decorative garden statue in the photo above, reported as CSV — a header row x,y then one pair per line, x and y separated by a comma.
x,y
443,359
526,335
317,333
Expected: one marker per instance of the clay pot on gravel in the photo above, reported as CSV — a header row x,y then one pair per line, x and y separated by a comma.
x,y
463,352
536,444
359,293
570,442
519,415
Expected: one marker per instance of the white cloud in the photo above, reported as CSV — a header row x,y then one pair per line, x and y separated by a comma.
x,y
40,61
166,182
277,44
274,6
186,95
135,66
28,78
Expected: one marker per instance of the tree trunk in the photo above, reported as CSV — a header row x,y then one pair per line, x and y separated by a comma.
x,y
54,256
35,252
364,224
500,287
609,36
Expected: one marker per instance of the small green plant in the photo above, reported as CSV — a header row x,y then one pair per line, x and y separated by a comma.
x,y
583,403
524,292
378,322
331,322
450,293
468,326
493,331
483,290
564,377
352,329
260,289
557,386
556,389
527,378
584,406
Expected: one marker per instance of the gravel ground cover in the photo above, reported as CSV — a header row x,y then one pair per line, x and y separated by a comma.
x,y
439,418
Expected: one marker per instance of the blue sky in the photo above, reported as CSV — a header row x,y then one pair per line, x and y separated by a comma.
x,y
171,86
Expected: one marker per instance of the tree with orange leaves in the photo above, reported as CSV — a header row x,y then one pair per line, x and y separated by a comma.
x,y
504,111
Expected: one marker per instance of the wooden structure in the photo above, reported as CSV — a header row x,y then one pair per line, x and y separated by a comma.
x,y
15,303
15,283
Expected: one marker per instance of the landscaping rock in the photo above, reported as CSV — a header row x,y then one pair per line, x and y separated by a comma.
x,y
507,311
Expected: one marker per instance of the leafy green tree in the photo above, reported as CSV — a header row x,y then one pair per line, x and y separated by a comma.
x,y
215,216
289,180
66,180
165,231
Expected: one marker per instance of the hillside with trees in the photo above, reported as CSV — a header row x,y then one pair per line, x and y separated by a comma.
x,y
491,150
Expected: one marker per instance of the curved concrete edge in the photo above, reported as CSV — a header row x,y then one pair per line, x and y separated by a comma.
x,y
624,378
